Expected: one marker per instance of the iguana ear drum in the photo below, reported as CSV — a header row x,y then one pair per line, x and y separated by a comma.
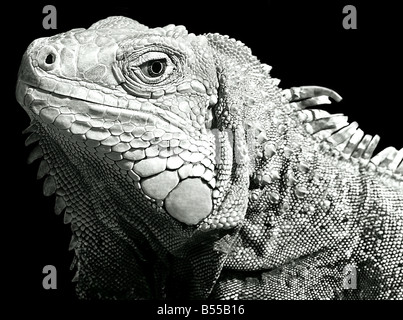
x,y
187,199
190,202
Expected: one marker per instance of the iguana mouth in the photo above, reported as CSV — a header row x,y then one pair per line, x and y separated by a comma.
x,y
36,98
149,115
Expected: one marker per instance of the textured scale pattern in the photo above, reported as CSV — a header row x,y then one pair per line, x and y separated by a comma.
x,y
179,163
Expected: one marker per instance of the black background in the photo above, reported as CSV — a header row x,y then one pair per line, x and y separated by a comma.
x,y
304,41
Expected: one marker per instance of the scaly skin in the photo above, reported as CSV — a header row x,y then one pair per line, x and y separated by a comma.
x,y
185,172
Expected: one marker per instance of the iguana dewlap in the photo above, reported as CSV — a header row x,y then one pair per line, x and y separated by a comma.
x,y
185,172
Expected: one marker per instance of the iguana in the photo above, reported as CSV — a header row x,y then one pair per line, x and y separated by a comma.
x,y
185,172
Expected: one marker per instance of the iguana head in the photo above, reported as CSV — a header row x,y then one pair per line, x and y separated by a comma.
x,y
150,107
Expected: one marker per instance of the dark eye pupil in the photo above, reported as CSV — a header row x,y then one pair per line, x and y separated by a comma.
x,y
49,59
156,67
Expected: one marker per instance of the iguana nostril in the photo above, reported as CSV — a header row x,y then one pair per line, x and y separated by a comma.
x,y
50,58
46,58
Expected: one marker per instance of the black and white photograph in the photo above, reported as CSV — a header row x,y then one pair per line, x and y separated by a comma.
x,y
191,152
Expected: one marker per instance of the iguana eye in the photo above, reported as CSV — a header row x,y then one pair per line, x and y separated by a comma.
x,y
154,68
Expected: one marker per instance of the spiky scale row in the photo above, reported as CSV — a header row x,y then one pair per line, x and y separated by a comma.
x,y
346,137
